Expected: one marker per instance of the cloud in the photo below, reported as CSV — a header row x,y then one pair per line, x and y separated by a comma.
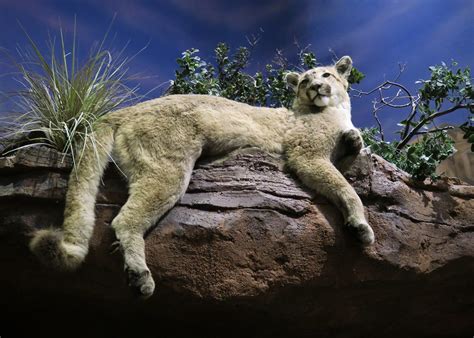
x,y
41,18
367,34
144,18
238,16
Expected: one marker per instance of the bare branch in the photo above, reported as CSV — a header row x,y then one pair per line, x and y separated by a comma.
x,y
253,40
280,60
386,85
389,101
402,88
401,69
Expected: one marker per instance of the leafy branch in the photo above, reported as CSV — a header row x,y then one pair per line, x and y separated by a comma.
x,y
446,91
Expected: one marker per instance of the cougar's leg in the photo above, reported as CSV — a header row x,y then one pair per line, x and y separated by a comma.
x,y
152,192
67,248
348,149
323,177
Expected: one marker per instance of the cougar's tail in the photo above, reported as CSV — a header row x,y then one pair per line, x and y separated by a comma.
x,y
66,248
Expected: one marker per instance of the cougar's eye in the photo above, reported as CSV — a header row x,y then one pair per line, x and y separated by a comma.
x,y
326,74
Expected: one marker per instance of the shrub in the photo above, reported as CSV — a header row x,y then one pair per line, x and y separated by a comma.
x,y
227,77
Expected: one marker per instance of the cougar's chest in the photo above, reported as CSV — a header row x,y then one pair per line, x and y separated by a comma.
x,y
316,134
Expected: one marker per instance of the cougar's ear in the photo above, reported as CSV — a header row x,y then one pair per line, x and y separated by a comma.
x,y
292,79
344,66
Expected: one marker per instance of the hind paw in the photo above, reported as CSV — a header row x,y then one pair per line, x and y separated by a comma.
x,y
141,282
50,248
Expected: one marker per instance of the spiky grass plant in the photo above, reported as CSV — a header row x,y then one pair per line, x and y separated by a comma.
x,y
62,99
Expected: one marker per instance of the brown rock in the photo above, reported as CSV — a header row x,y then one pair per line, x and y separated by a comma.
x,y
247,252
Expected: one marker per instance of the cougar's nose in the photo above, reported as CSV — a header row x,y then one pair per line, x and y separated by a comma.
x,y
315,86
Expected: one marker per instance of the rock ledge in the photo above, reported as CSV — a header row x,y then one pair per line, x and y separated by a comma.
x,y
248,252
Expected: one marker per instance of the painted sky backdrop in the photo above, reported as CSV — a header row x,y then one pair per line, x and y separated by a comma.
x,y
378,34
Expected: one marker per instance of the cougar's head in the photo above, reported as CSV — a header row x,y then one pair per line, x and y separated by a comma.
x,y
322,86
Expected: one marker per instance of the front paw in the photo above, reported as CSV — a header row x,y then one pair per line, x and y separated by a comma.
x,y
141,282
353,142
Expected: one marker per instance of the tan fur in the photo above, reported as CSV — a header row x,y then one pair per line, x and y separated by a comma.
x,y
156,144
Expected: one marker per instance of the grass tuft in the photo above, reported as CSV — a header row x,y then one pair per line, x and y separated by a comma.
x,y
61,99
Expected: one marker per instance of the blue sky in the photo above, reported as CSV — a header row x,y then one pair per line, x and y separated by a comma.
x,y
377,34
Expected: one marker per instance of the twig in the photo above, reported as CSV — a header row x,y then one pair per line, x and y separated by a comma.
x,y
376,117
402,88
435,130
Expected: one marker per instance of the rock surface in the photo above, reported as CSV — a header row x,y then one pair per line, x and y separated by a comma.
x,y
247,252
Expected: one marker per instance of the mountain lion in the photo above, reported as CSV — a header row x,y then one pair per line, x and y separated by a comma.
x,y
156,144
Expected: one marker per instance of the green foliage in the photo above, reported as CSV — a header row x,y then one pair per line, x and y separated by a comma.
x,y
227,77
63,98
194,75
307,60
445,84
356,76
468,129
419,158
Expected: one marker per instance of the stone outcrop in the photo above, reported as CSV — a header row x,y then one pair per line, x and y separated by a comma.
x,y
461,163
247,252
